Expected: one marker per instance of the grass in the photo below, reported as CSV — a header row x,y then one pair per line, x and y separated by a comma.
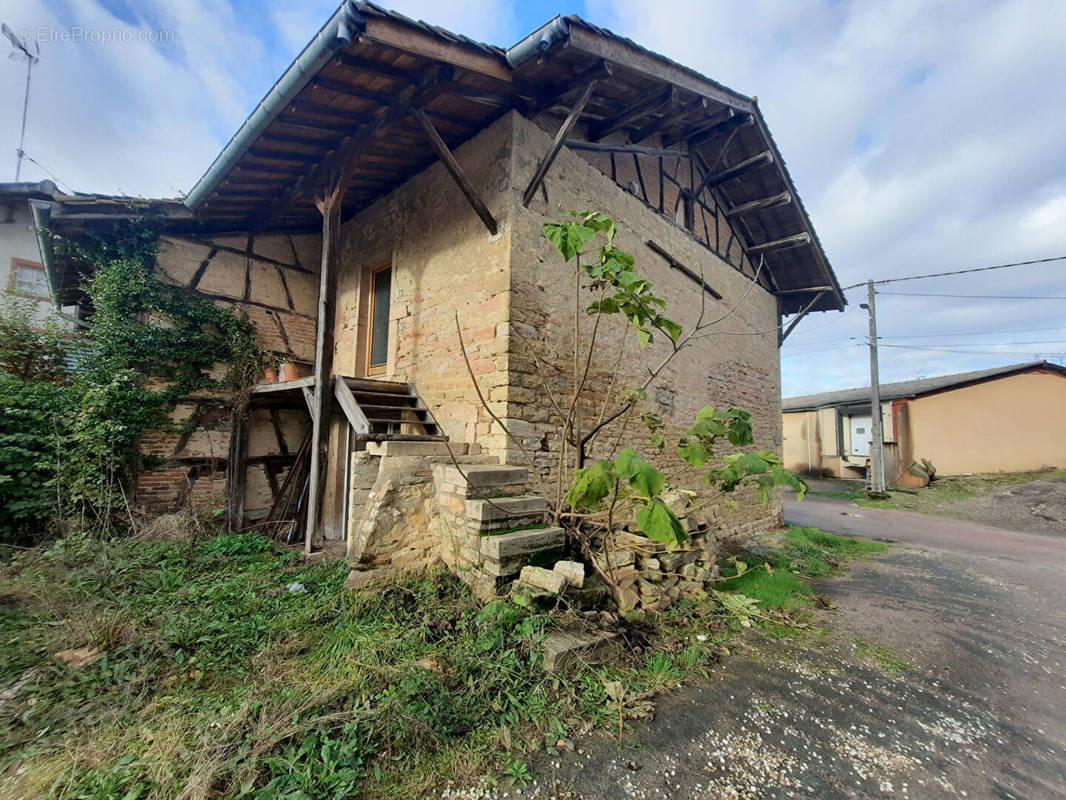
x,y
941,493
228,669
885,657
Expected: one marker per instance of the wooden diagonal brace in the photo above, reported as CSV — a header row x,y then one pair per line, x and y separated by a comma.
x,y
799,317
456,171
557,143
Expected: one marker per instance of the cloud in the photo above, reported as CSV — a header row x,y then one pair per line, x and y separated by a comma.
x,y
923,136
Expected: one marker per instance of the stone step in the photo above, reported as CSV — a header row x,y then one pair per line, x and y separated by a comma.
x,y
417,448
503,509
486,476
519,544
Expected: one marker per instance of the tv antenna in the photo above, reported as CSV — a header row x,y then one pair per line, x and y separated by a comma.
x,y
22,53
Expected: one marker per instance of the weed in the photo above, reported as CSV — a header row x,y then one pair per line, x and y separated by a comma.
x,y
517,773
885,657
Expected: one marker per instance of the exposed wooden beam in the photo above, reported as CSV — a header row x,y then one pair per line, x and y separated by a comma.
x,y
344,115
805,290
371,67
600,147
329,205
728,126
335,128
717,178
648,105
269,139
798,240
557,143
598,71
476,95
710,123
421,42
350,90
799,317
346,156
282,155
684,270
783,199
456,171
669,116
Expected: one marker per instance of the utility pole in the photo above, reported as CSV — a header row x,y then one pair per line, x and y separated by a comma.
x,y
877,445
22,52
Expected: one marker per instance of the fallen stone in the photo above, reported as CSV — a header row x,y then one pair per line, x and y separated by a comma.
x,y
521,543
689,587
563,650
573,571
619,558
358,578
672,562
595,594
546,579
78,657
627,599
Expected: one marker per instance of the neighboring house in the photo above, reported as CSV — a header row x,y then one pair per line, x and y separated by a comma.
x,y
1006,419
25,282
397,177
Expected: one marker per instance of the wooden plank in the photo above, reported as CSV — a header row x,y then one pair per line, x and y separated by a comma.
x,y
557,143
372,386
350,90
648,105
309,398
599,147
798,240
708,125
356,418
403,36
369,66
330,208
283,386
655,66
456,171
686,271
783,199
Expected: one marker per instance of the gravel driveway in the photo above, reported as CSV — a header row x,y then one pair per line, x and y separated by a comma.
x,y
943,677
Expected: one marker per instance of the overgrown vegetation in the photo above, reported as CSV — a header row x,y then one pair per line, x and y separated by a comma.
x,y
73,409
220,667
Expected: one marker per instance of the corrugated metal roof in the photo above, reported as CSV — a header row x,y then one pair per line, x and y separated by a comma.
x,y
902,389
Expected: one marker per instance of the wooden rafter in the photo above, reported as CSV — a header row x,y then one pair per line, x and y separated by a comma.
x,y
599,147
456,171
783,199
648,105
699,104
346,156
711,125
598,71
799,317
798,240
716,178
557,142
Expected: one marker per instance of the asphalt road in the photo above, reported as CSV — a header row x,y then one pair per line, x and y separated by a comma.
x,y
976,709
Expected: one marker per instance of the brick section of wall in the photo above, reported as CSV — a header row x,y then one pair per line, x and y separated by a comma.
x,y
287,327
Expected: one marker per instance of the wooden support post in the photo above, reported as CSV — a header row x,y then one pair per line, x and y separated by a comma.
x,y
780,244
456,171
557,143
330,207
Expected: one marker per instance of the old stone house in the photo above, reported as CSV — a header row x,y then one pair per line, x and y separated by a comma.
x,y
381,209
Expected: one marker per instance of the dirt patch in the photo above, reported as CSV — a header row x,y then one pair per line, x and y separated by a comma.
x,y
1038,507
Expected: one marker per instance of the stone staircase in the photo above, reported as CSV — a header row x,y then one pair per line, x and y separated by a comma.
x,y
491,527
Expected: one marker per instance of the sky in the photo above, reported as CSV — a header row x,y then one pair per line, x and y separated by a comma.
x,y
923,136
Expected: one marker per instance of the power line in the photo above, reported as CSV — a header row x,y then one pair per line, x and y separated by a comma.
x,y
978,296
937,335
959,271
975,352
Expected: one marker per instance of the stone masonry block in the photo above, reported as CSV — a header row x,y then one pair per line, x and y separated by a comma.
x,y
505,508
522,543
563,650
547,579
486,475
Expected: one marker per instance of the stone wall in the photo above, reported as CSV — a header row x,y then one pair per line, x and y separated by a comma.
x,y
738,364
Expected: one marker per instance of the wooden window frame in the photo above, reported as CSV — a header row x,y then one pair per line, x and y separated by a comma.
x,y
372,273
13,281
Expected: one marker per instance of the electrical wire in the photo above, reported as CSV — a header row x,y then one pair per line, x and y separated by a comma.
x,y
977,296
959,272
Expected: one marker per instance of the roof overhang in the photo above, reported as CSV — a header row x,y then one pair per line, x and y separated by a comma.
x,y
349,98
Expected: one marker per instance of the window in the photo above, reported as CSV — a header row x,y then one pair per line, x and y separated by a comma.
x,y
30,279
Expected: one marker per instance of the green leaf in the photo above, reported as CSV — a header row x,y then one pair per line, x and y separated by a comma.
x,y
658,522
693,453
645,479
673,330
568,237
591,485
